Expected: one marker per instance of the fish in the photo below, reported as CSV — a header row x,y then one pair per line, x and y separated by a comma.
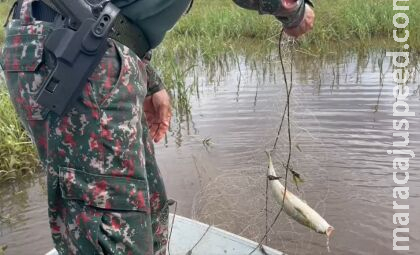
x,y
295,207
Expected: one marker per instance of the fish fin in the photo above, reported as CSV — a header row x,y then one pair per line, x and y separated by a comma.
x,y
297,180
299,211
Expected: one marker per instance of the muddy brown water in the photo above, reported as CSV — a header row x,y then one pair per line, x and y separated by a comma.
x,y
214,164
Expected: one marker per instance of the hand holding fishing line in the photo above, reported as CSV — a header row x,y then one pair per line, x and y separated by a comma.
x,y
305,26
157,109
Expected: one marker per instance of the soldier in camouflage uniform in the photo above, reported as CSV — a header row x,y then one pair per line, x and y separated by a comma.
x,y
105,191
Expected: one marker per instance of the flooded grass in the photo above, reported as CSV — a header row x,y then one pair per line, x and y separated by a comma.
x,y
215,30
17,155
216,26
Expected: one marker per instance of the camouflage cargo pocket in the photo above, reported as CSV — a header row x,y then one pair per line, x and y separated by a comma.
x,y
103,191
111,213
22,61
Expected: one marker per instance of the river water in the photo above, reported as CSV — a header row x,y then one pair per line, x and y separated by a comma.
x,y
214,161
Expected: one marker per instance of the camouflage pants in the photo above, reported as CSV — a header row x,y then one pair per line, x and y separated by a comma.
x,y
105,192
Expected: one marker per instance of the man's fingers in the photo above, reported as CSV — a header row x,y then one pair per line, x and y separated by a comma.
x,y
160,133
164,114
306,24
161,125
153,128
160,120
149,120
158,137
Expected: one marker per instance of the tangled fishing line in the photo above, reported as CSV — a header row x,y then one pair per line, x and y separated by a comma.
x,y
287,165
286,111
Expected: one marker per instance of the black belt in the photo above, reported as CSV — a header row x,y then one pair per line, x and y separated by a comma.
x,y
124,32
40,11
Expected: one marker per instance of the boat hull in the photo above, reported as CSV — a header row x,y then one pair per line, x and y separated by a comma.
x,y
186,234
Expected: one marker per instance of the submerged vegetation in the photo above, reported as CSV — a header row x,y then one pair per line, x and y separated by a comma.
x,y
216,29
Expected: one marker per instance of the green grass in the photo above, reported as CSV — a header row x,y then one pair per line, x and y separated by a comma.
x,y
4,11
217,25
360,22
17,154
18,157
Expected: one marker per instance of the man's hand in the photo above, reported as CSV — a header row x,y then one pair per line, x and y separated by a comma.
x,y
305,26
157,108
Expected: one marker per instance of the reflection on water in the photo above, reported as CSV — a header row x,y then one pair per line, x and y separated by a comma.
x,y
23,217
214,163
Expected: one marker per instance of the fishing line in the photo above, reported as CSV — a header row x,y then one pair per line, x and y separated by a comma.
x,y
266,207
171,202
201,238
277,137
287,107
286,111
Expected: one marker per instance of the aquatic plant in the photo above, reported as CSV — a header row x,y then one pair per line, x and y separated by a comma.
x,y
217,29
17,154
